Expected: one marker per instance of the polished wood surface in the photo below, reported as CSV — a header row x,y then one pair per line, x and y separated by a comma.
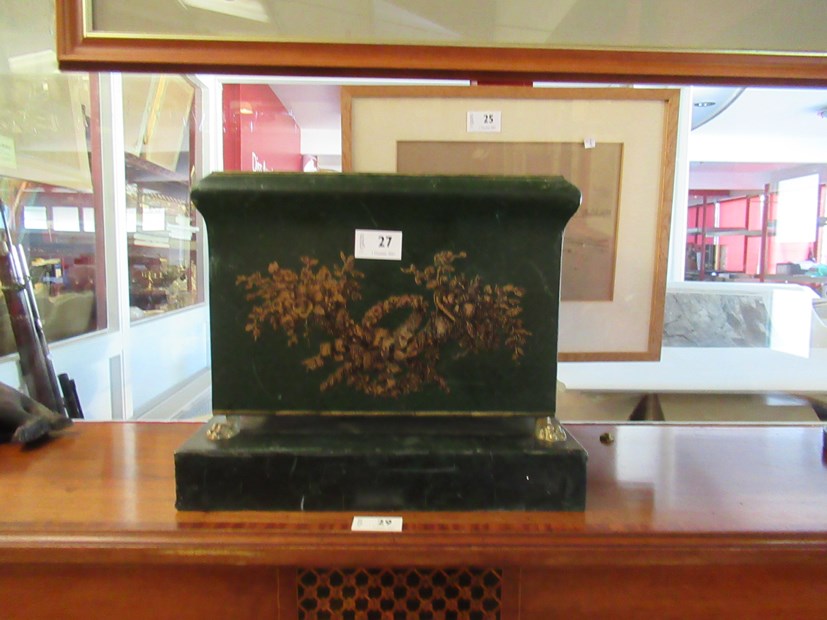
x,y
78,50
710,520
83,591
694,491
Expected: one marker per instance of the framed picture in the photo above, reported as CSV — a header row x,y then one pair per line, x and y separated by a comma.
x,y
667,42
616,145
156,109
52,150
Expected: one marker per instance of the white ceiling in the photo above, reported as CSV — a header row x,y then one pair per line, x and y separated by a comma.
x,y
765,125
315,102
761,136
313,106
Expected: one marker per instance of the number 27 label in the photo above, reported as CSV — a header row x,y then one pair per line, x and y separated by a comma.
x,y
378,244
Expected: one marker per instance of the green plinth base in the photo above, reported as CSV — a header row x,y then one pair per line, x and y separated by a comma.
x,y
381,464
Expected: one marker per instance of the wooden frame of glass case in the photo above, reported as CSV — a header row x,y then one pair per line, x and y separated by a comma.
x,y
82,47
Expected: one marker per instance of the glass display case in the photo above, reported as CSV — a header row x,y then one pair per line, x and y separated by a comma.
x,y
159,121
767,236
46,182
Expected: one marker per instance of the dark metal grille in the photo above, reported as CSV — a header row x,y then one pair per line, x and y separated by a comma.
x,y
399,594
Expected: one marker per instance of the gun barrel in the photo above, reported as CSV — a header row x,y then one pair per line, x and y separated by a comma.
x,y
35,360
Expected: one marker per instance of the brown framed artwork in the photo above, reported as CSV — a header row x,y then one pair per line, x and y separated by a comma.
x,y
156,108
51,108
616,145
669,42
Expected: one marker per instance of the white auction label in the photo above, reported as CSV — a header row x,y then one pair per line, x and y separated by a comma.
x,y
376,524
378,244
485,122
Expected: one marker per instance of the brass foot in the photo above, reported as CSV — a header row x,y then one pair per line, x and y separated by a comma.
x,y
548,430
221,430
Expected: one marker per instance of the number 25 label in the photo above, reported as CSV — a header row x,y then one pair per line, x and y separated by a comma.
x,y
484,121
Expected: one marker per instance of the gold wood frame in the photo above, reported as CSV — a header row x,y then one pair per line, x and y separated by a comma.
x,y
78,49
630,326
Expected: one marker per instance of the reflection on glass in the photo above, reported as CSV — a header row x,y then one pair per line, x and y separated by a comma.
x,y
797,210
46,183
772,236
66,219
618,24
160,221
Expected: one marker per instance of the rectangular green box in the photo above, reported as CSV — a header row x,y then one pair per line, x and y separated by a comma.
x,y
464,322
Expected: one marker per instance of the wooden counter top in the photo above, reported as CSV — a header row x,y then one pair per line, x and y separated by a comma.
x,y
105,492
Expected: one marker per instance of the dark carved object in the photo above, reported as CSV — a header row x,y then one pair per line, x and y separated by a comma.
x,y
24,420
383,342
35,360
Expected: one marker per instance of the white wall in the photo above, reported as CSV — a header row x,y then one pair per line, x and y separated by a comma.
x,y
167,351
769,125
683,369
87,360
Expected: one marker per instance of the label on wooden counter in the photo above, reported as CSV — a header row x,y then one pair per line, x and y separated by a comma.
x,y
376,524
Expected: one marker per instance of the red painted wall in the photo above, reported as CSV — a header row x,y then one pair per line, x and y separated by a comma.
x,y
743,254
259,134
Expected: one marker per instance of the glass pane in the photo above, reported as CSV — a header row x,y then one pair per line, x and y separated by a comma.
x,y
46,184
707,25
162,225
774,235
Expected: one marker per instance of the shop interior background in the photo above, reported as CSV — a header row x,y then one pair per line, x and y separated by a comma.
x,y
96,171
